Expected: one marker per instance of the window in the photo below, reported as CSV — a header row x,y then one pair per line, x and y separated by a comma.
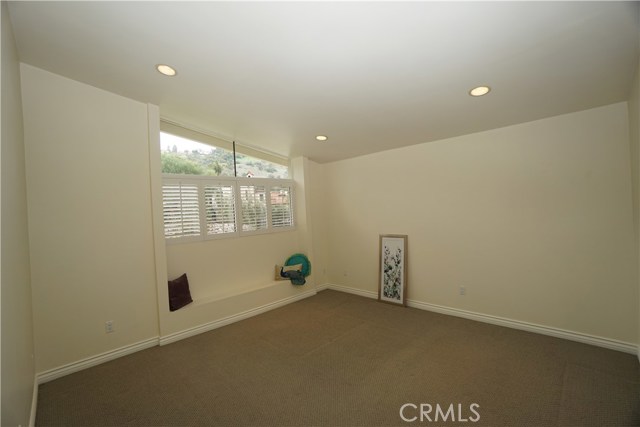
x,y
181,155
188,152
201,202
253,167
204,208
254,207
281,210
220,207
181,209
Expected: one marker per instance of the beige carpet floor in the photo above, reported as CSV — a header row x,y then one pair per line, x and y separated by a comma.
x,y
337,359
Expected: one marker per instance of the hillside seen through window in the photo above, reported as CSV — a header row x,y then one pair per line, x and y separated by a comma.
x,y
184,156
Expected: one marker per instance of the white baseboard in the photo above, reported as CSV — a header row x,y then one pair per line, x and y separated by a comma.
x,y
322,287
350,290
34,403
70,368
509,323
177,336
529,327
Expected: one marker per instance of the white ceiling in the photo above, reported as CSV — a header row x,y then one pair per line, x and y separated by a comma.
x,y
371,76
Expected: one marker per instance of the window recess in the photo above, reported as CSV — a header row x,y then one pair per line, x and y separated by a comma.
x,y
200,200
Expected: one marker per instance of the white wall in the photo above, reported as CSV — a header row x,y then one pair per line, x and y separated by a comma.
x,y
17,329
535,220
316,191
88,188
634,140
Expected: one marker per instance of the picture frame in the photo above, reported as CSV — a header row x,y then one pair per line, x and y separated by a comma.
x,y
392,269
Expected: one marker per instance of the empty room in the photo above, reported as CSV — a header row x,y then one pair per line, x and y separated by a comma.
x,y
320,213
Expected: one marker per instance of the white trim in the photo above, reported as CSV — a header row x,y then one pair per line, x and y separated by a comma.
x,y
34,403
509,323
322,287
177,336
98,359
529,327
350,290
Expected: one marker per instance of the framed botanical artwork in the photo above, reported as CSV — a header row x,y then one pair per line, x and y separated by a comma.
x,y
392,286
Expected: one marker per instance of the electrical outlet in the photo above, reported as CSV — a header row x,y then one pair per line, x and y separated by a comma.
x,y
108,326
463,290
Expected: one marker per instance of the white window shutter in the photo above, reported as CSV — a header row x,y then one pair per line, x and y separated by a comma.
x,y
254,207
181,210
220,208
281,207
202,208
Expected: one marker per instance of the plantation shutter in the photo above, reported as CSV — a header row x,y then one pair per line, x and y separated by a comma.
x,y
202,208
220,208
254,207
281,207
181,210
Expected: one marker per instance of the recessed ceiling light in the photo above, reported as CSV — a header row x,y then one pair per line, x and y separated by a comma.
x,y
480,90
321,138
166,70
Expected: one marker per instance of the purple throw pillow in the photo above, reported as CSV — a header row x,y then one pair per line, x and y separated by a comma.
x,y
179,294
